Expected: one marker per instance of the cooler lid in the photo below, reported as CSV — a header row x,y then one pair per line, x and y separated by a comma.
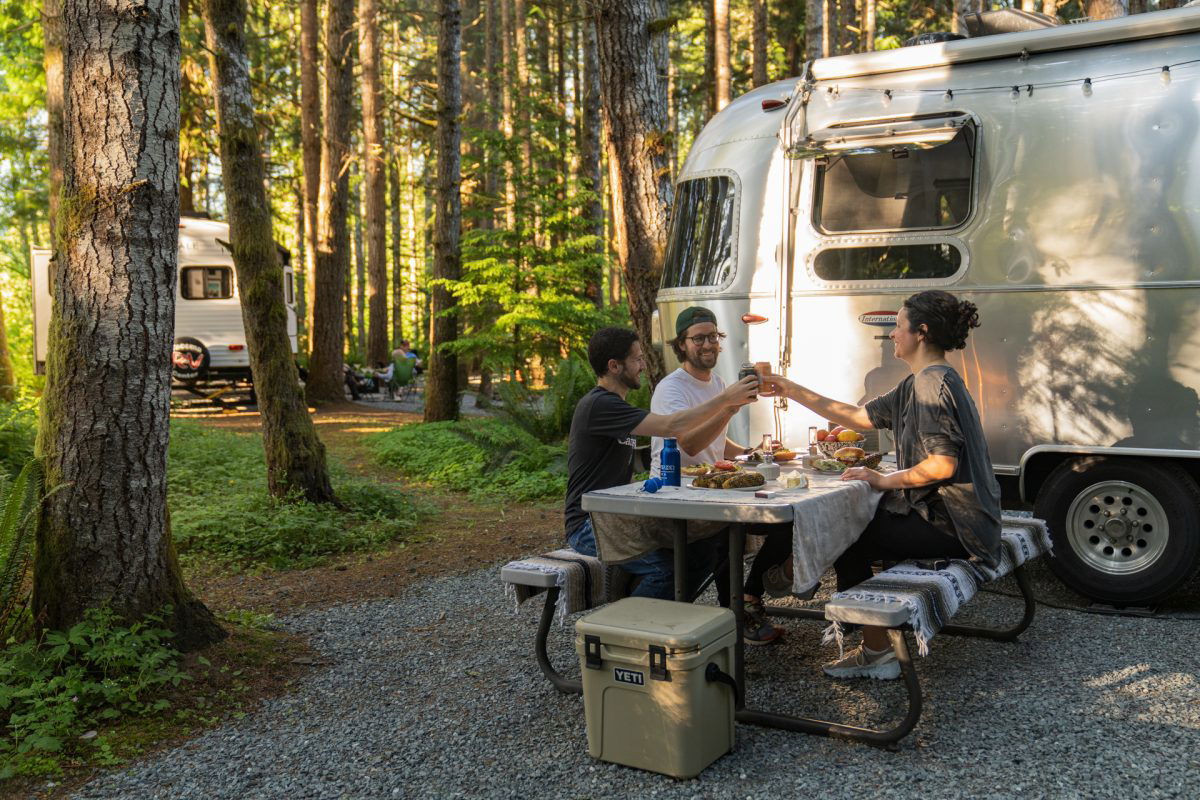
x,y
638,622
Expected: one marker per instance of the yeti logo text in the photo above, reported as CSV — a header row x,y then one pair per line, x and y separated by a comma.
x,y
629,676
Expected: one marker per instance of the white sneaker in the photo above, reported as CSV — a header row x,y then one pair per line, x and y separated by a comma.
x,y
859,663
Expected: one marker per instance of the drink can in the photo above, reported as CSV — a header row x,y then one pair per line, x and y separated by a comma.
x,y
747,371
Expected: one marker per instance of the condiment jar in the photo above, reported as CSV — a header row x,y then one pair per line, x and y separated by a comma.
x,y
768,468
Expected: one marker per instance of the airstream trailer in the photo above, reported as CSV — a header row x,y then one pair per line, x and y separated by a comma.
x,y
1050,176
210,342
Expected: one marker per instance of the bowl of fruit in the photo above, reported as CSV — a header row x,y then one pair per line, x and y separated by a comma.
x,y
829,442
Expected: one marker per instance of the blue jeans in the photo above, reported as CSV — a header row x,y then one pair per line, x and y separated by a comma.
x,y
657,569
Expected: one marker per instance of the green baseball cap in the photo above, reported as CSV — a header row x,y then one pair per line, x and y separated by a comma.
x,y
693,315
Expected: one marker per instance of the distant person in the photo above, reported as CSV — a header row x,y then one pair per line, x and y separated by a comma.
x,y
601,448
943,501
382,375
405,351
351,380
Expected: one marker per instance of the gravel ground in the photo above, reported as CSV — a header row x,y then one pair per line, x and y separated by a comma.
x,y
436,694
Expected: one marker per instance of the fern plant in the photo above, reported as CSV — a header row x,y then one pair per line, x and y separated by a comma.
x,y
18,522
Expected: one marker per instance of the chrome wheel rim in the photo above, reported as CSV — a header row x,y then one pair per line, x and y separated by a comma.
x,y
1117,527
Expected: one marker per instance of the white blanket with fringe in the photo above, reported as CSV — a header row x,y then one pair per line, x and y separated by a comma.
x,y
579,578
933,597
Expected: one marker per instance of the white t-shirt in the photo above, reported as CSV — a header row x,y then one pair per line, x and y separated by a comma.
x,y
679,391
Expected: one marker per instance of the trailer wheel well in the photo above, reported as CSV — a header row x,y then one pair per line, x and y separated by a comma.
x,y
1039,467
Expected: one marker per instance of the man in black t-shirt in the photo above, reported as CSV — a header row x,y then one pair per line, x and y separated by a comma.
x,y
601,446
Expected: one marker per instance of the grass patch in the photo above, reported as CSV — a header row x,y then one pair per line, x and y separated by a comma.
x,y
486,458
220,506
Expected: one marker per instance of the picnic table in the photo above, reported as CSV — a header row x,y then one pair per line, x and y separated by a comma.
x,y
827,518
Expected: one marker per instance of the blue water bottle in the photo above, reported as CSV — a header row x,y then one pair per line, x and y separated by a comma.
x,y
668,463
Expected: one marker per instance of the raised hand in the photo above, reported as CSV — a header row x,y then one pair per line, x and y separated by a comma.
x,y
743,392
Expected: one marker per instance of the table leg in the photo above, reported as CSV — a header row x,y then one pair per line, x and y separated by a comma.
x,y
681,570
737,587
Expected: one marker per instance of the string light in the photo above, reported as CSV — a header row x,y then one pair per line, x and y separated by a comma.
x,y
887,97
1087,87
1165,76
1029,90
948,96
1015,94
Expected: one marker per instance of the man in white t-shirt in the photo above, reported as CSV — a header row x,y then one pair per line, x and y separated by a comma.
x,y
697,344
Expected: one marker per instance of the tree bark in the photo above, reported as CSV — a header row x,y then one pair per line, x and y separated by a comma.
x,y
325,381
360,278
104,536
441,390
722,74
397,254
52,59
8,381
961,9
814,29
310,147
589,159
632,56
1105,9
295,456
374,182
869,25
758,43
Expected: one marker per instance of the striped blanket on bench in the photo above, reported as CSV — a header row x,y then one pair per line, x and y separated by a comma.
x,y
584,582
933,596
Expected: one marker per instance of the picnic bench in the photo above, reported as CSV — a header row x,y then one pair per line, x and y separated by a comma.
x,y
912,597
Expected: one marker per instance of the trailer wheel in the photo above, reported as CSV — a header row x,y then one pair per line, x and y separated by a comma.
x,y
1125,531
189,360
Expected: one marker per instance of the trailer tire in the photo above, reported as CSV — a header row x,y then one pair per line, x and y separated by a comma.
x,y
1126,531
189,360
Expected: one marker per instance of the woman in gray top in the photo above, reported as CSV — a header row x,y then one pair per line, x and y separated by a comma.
x,y
943,501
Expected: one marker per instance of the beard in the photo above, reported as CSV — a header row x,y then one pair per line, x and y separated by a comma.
x,y
703,360
629,379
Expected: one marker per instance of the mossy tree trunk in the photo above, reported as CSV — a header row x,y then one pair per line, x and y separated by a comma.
x,y
8,383
310,145
104,536
632,41
441,392
325,379
374,183
295,456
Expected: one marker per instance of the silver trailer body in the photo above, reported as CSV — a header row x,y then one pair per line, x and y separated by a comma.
x,y
1052,177
208,309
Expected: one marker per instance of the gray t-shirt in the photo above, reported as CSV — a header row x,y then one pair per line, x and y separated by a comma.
x,y
932,413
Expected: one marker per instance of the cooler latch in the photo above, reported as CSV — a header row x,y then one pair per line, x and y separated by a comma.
x,y
591,650
658,663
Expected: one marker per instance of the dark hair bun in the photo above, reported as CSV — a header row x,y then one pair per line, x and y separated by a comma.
x,y
947,319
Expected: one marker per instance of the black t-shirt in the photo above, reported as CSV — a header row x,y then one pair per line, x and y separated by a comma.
x,y
600,449
932,413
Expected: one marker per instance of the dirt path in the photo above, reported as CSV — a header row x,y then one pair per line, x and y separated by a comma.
x,y
461,535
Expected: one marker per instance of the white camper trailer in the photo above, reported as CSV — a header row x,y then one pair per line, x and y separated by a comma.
x,y
1050,176
210,342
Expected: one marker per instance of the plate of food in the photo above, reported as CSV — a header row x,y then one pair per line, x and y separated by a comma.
x,y
845,457
739,480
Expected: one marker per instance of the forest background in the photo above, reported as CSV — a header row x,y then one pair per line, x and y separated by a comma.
x,y
538,241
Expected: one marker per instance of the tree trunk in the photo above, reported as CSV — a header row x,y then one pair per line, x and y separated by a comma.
x,y
374,182
104,535
359,292
397,254
295,456
310,147
828,27
589,159
758,43
8,382
961,9
722,75
299,271
869,25
441,390
325,381
52,58
632,55
1135,6
814,29
1050,7
1105,9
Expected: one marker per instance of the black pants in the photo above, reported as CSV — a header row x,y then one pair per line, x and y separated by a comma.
x,y
893,537
775,550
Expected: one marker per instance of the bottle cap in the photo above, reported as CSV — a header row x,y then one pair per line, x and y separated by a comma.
x,y
652,485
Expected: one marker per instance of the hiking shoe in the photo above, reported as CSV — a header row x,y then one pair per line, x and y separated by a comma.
x,y
756,630
859,663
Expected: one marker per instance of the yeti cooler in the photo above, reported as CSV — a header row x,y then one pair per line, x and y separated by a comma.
x,y
656,688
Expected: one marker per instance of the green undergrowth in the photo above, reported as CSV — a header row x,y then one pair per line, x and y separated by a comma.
x,y
220,506
486,458
55,689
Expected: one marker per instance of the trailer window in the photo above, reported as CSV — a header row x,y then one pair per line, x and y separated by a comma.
x,y
889,263
700,245
902,188
288,289
206,283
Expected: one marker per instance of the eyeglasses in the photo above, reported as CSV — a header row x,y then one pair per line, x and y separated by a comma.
x,y
711,338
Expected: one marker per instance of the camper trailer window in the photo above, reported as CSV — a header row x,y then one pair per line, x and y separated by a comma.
x,y
899,189
891,263
288,290
206,283
700,247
